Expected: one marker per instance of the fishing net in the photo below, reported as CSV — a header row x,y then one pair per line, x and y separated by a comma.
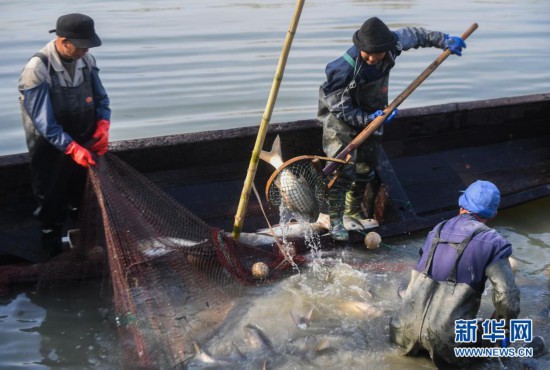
x,y
300,186
175,279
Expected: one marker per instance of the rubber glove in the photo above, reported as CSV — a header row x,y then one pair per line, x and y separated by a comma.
x,y
391,117
101,137
373,116
454,44
80,155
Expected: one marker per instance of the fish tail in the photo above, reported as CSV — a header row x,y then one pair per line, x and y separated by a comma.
x,y
275,155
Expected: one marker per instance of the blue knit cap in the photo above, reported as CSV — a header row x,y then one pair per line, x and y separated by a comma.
x,y
481,198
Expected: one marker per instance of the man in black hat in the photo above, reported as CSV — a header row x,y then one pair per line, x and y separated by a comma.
x,y
354,94
66,118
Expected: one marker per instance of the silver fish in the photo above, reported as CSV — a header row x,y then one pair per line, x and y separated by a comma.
x,y
310,346
296,193
254,239
157,247
257,339
360,309
208,360
302,322
295,229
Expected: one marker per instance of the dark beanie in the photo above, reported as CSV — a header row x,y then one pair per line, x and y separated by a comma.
x,y
374,36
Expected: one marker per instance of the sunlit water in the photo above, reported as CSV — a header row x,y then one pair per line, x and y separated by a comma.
x,y
173,67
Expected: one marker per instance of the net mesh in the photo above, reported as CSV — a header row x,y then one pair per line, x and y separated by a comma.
x,y
299,185
175,279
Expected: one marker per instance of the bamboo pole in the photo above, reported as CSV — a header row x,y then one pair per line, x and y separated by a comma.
x,y
253,165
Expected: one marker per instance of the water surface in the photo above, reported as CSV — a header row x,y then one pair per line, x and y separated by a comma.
x,y
173,67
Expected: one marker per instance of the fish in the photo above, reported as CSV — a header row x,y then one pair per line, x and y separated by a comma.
x,y
265,237
295,229
207,360
257,339
160,246
302,322
310,346
295,191
265,353
292,231
360,309
254,239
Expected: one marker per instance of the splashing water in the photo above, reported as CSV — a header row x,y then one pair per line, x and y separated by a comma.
x,y
311,238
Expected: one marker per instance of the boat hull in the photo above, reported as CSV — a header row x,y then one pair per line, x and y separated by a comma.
x,y
429,155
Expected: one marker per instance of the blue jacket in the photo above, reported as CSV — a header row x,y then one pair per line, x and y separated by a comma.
x,y
339,94
35,101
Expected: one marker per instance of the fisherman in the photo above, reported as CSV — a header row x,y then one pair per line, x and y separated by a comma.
x,y
66,118
353,95
457,258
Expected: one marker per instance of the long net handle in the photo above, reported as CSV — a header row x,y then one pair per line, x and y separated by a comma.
x,y
253,165
367,131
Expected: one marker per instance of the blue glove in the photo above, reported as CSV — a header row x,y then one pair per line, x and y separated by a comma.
x,y
392,115
454,44
373,116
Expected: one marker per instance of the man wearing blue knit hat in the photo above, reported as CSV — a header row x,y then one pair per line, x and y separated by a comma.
x,y
457,259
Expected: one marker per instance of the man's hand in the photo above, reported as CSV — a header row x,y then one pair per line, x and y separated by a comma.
x,y
373,116
391,117
454,44
378,113
101,137
80,155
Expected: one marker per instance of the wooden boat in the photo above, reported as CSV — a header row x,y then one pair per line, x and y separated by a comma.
x,y
429,154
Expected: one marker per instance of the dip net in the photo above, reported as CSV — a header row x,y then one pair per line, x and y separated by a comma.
x,y
300,186
175,279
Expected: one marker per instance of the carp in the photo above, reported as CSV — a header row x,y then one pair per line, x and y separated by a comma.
x,y
295,191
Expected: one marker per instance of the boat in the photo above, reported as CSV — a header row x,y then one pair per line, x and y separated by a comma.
x,y
429,154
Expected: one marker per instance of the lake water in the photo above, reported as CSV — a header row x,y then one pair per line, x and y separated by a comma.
x,y
75,327
173,67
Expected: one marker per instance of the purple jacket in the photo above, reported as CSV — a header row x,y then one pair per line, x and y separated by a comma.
x,y
484,249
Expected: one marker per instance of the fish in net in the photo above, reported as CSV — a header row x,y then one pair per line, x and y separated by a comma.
x,y
297,184
175,279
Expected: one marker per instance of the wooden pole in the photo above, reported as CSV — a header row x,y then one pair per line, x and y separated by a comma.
x,y
252,167
367,131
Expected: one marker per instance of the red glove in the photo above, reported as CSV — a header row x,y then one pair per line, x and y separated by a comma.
x,y
80,155
101,136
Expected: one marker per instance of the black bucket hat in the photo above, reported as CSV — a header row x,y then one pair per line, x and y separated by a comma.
x,y
78,29
374,36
